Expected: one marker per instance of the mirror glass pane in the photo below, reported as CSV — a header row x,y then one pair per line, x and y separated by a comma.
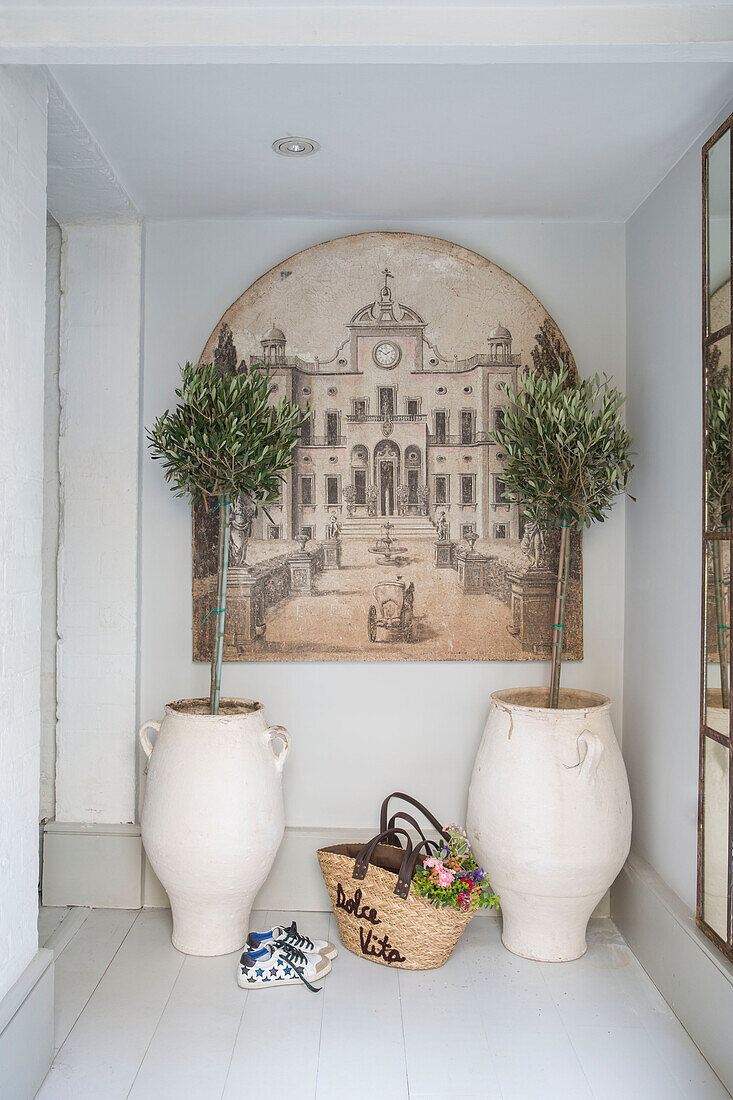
x,y
715,853
717,636
718,435
715,843
718,233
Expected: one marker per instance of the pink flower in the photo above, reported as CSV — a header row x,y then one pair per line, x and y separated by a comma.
x,y
444,875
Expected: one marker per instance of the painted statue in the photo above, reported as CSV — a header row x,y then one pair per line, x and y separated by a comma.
x,y
333,527
240,530
534,545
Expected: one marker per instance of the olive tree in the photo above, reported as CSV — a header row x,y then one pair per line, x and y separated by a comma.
x,y
568,458
223,442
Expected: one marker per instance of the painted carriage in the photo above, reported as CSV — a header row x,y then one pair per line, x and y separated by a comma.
x,y
391,615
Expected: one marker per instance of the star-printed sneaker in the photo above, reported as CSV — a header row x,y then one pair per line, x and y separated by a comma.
x,y
280,964
281,934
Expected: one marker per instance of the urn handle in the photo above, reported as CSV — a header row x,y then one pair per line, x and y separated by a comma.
x,y
145,741
273,732
588,764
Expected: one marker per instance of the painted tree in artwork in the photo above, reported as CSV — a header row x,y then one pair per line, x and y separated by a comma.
x,y
568,458
548,353
225,352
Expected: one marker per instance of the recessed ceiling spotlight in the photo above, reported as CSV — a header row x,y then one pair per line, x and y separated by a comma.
x,y
295,146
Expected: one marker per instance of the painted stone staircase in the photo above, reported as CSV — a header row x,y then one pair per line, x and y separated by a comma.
x,y
403,527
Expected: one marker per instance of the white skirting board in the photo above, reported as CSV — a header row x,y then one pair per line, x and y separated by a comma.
x,y
92,865
694,977
26,1029
104,866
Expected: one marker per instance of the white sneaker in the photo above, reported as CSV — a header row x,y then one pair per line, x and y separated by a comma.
x,y
281,964
281,934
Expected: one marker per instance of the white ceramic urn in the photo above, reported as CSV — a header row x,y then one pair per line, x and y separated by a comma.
x,y
549,816
212,818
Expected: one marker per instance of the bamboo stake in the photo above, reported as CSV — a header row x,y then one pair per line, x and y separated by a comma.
x,y
217,649
721,625
558,627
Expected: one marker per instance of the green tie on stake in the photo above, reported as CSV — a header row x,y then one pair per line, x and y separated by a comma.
x,y
568,458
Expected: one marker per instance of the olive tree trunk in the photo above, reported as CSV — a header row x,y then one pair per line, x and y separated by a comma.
x,y
558,625
217,650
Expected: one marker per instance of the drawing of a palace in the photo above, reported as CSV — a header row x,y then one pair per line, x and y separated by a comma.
x,y
396,428
393,538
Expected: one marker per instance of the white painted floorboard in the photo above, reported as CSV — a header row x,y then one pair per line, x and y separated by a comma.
x,y
49,918
81,964
134,1018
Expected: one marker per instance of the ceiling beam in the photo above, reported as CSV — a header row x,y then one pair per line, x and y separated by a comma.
x,y
104,32
81,184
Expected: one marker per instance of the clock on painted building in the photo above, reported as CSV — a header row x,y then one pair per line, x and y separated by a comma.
x,y
386,354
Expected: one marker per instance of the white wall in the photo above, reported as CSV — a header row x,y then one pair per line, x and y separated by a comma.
x,y
361,730
22,294
663,529
98,470
50,545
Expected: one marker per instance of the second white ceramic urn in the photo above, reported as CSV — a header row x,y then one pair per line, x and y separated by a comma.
x,y
213,817
549,816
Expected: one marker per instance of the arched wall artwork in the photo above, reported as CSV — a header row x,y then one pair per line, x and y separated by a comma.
x,y
401,346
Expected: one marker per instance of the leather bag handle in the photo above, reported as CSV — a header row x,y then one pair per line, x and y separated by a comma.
x,y
404,878
418,806
412,858
411,820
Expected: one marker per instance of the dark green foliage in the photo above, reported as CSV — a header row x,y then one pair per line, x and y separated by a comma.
x,y
224,436
568,453
717,455
717,495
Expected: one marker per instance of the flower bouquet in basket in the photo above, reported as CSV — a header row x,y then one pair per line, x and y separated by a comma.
x,y
452,878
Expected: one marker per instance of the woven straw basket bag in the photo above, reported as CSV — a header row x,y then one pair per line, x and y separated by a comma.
x,y
379,915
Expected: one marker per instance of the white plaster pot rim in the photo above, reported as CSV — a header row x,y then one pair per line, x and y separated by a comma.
x,y
183,708
596,704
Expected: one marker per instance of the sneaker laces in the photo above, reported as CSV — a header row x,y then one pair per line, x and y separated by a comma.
x,y
297,959
298,939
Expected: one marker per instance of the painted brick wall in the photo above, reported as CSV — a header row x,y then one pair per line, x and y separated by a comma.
x,y
22,295
99,383
50,546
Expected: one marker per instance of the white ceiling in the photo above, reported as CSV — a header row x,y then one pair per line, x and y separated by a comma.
x,y
584,141
374,31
